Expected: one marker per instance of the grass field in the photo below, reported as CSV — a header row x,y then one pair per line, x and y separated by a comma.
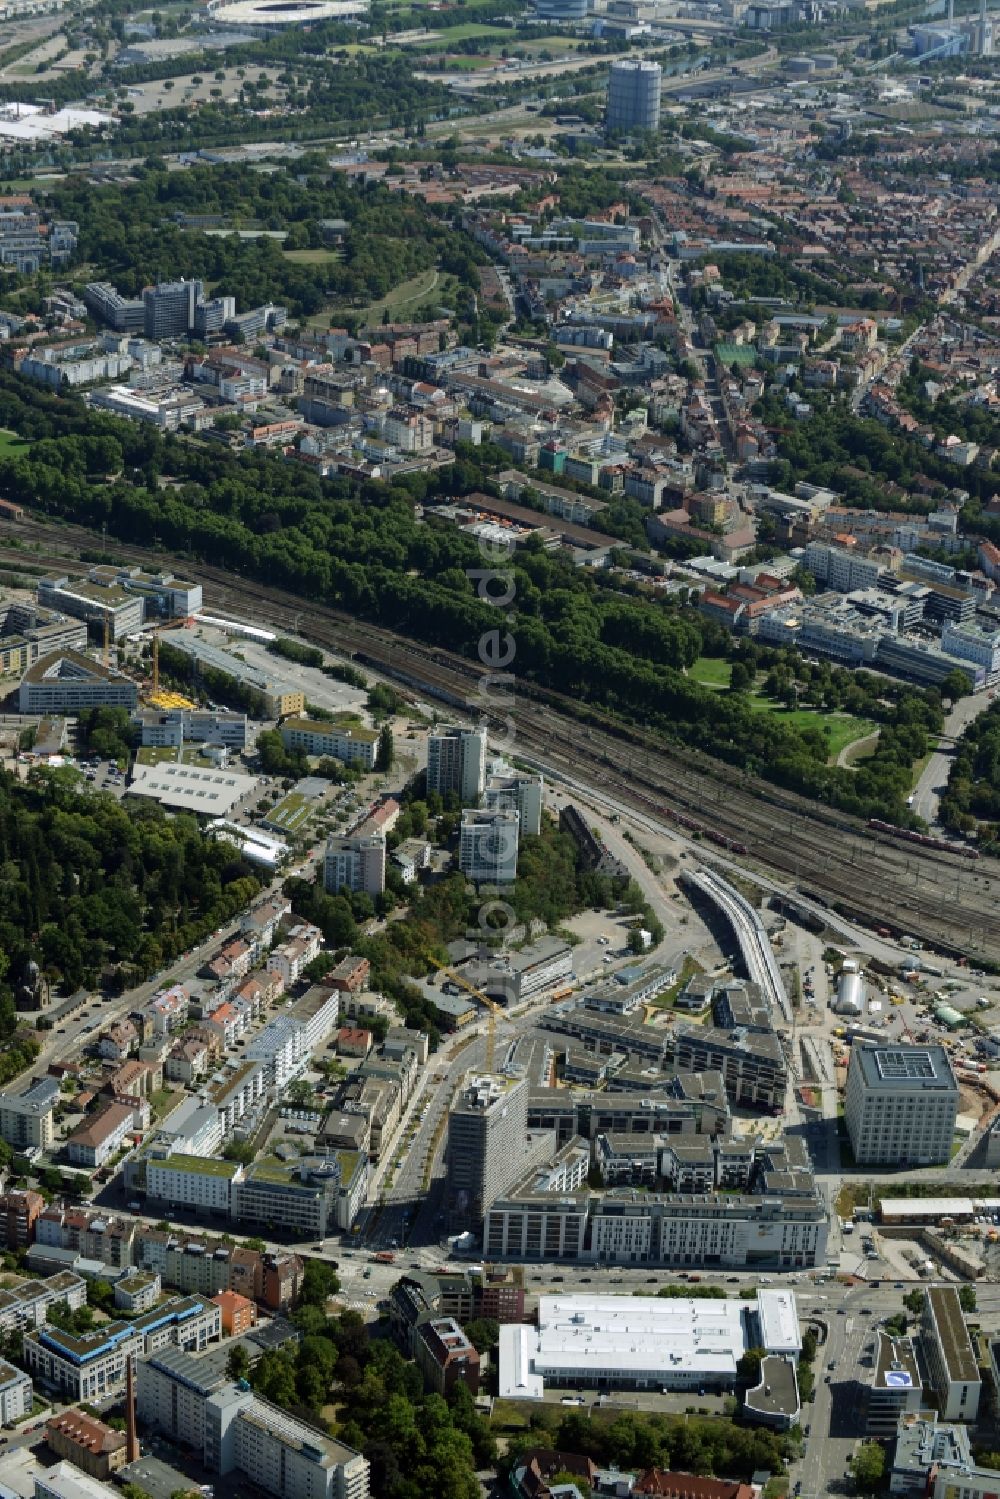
x,y
312,257
11,444
840,729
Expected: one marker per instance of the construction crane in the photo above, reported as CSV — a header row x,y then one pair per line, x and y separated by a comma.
x,y
156,660
489,1005
107,639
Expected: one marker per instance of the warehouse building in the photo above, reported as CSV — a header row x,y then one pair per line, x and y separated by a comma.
x,y
279,700
68,682
642,1343
900,1105
192,788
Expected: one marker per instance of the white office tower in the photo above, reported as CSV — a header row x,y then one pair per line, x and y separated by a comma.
x,y
456,761
634,96
487,849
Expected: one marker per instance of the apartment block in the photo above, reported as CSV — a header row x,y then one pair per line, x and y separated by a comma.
x,y
517,791
195,1182
355,745
19,1212
753,1065
487,849
444,1355
901,1104
356,861
15,1394
456,763
26,1119
87,1443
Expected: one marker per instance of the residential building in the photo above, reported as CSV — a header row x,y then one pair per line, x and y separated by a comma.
x,y
487,850
456,762
193,1181
354,745
357,861
87,1443
95,1141
15,1394
19,1212
753,1065
901,1104
236,1432
444,1355
517,791
239,1314
26,1119
137,1291
951,1360
27,1304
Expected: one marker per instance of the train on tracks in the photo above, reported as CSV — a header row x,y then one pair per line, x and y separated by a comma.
x,y
692,825
925,840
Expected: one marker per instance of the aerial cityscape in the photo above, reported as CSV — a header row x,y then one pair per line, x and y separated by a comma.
x,y
499,749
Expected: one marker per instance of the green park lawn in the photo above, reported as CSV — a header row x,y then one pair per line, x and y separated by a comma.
x,y
840,729
11,444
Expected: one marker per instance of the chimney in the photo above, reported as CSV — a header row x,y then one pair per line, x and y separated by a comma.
x,y
132,1453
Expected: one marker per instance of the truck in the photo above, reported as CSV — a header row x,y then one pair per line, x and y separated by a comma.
x,y
384,1257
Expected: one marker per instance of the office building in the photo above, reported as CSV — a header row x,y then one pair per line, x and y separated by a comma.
x,y
26,1119
92,1366
212,315
357,861
641,1343
169,309
15,1394
634,96
354,745
487,849
314,1195
952,1366
895,1390
901,1104
839,568
98,599
516,791
456,762
65,682
489,1147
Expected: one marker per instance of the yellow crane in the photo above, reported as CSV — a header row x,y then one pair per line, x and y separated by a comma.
x,y
489,1005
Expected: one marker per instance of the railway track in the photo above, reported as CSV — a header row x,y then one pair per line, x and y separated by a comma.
x,y
930,893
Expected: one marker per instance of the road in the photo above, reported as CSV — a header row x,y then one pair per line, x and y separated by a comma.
x,y
934,776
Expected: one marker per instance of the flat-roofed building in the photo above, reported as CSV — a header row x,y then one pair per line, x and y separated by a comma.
x,y
67,682
353,744
895,1390
456,761
26,1119
487,847
210,790
951,1360
640,1343
901,1104
200,1182
752,1063
16,1394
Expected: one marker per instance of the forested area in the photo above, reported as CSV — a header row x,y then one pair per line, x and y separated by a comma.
x,y
872,466
130,233
971,803
90,887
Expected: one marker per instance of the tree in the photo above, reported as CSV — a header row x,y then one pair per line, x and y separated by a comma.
x,y
319,1283
635,940
238,1362
386,748
483,1333
300,1093
741,679
868,1466
748,1366
914,1301
967,1298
